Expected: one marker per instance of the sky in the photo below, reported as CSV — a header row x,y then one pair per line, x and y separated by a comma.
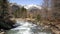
x,y
27,2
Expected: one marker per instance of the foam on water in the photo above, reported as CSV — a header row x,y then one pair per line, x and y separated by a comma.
x,y
25,28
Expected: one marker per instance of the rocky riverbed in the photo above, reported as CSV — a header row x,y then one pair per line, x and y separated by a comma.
x,y
45,27
28,28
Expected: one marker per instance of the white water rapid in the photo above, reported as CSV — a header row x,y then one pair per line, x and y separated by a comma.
x,y
27,28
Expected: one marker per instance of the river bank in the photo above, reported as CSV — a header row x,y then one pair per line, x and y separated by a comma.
x,y
53,28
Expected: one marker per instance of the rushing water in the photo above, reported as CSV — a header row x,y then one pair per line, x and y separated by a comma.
x,y
27,28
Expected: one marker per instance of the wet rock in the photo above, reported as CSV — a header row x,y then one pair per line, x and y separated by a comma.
x,y
58,26
56,31
2,33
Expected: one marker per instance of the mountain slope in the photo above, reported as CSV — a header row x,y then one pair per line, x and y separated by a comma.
x,y
31,6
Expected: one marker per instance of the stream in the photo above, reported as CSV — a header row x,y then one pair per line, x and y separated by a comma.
x,y
28,28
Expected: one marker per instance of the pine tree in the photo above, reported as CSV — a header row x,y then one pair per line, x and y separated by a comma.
x,y
5,22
